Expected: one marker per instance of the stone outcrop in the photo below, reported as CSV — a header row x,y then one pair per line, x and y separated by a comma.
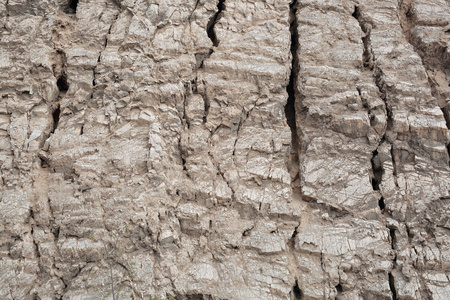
x,y
224,149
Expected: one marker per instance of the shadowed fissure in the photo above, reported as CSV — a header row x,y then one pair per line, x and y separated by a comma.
x,y
72,7
368,64
369,59
289,108
216,17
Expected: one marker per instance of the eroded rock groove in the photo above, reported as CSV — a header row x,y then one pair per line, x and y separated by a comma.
x,y
212,22
291,89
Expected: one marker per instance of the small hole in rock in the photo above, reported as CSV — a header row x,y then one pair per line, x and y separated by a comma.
x,y
72,9
62,84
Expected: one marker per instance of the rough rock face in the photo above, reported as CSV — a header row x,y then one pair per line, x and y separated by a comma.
x,y
224,149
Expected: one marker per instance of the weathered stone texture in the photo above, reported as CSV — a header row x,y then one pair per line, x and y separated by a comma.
x,y
224,149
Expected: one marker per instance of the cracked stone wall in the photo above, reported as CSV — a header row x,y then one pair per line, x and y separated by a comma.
x,y
202,149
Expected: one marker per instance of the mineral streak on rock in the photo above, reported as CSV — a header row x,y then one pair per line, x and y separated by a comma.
x,y
224,149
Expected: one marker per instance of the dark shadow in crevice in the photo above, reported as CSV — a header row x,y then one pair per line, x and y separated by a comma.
x,y
377,171
297,291
392,286
393,239
339,289
56,114
367,58
448,151
381,204
212,22
291,89
72,7
63,85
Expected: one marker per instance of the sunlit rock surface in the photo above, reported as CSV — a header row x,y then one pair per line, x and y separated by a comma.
x,y
226,149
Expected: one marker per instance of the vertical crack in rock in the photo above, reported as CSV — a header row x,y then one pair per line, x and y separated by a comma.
x,y
291,89
200,58
297,292
368,59
367,53
392,237
391,277
392,286
32,222
212,22
7,9
59,71
369,62
56,114
381,204
105,45
405,18
377,171
448,148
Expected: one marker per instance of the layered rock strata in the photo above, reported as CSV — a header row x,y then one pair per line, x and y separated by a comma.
x,y
224,149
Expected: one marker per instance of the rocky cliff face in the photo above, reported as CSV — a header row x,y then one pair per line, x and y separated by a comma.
x,y
224,149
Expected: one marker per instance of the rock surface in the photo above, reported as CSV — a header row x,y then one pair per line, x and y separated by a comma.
x,y
224,149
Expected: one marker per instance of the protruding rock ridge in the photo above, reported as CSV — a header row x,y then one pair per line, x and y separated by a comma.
x,y
428,34
224,149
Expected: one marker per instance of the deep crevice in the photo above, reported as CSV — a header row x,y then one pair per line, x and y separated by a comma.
x,y
448,151
212,22
377,171
393,239
62,84
381,204
392,286
72,7
297,291
367,57
291,89
339,289
56,114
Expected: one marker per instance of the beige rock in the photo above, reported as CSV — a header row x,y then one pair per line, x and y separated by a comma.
x,y
224,149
